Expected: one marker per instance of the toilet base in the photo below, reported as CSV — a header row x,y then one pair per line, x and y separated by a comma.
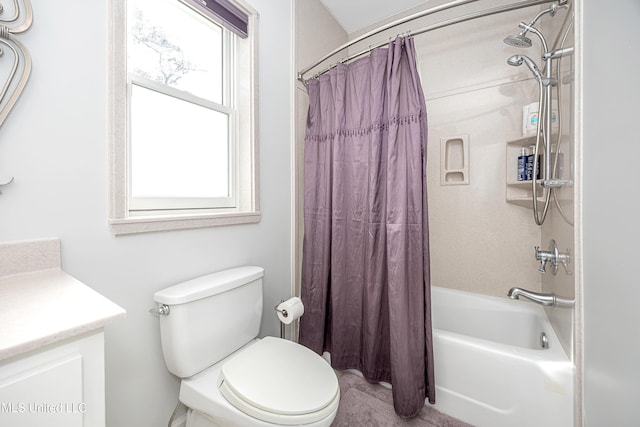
x,y
198,419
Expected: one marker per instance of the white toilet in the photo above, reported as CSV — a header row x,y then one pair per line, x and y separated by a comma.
x,y
208,329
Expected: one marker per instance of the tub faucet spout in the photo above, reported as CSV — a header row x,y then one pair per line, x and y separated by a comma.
x,y
543,299
549,300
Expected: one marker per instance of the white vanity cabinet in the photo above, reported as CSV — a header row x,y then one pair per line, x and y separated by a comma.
x,y
62,385
52,370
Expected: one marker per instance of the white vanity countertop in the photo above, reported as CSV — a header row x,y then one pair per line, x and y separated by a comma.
x,y
47,306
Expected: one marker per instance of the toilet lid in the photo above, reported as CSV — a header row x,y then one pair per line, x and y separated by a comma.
x,y
279,381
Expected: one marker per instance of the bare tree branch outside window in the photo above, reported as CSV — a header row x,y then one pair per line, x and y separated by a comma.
x,y
171,62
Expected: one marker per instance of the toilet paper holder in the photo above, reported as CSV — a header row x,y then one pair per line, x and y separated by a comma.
x,y
288,311
284,313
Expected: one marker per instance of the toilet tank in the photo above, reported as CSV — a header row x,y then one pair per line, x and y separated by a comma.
x,y
209,318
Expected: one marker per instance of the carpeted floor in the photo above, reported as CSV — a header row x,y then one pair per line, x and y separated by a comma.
x,y
371,405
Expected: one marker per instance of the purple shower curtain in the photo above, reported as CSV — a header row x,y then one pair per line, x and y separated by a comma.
x,y
365,268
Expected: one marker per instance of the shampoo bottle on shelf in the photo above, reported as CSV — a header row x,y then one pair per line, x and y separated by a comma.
x,y
529,174
522,164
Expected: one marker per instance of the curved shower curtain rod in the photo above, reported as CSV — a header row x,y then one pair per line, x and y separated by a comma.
x,y
446,23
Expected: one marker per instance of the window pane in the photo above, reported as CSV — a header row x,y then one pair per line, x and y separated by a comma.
x,y
178,149
173,45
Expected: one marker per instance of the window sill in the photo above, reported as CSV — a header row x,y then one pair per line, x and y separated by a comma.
x,y
148,224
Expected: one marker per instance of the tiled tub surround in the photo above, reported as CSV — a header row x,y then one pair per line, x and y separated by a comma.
x,y
51,340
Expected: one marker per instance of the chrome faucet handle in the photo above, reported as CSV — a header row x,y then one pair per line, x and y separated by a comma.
x,y
543,257
542,268
554,257
540,258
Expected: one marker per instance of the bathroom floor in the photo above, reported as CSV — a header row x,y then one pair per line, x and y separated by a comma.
x,y
371,405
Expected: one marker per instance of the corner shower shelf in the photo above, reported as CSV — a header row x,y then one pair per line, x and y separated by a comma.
x,y
520,192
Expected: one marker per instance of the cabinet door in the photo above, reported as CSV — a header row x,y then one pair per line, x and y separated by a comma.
x,y
59,385
48,394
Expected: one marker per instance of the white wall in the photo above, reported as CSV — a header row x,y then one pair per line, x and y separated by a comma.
x,y
55,144
611,229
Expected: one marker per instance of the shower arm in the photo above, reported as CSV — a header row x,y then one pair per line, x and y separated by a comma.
x,y
534,30
552,10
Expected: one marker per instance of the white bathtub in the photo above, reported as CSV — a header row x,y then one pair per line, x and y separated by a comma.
x,y
490,369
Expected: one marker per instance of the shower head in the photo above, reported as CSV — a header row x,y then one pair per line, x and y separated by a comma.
x,y
517,60
521,40
518,40
528,27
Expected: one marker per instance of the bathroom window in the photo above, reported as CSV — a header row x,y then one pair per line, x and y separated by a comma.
x,y
183,138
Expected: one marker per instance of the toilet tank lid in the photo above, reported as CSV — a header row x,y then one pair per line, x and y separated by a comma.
x,y
206,286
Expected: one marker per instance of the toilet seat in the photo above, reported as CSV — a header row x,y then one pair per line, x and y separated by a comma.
x,y
202,394
280,382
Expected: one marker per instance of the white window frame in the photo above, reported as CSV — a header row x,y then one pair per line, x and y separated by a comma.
x,y
123,219
139,204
